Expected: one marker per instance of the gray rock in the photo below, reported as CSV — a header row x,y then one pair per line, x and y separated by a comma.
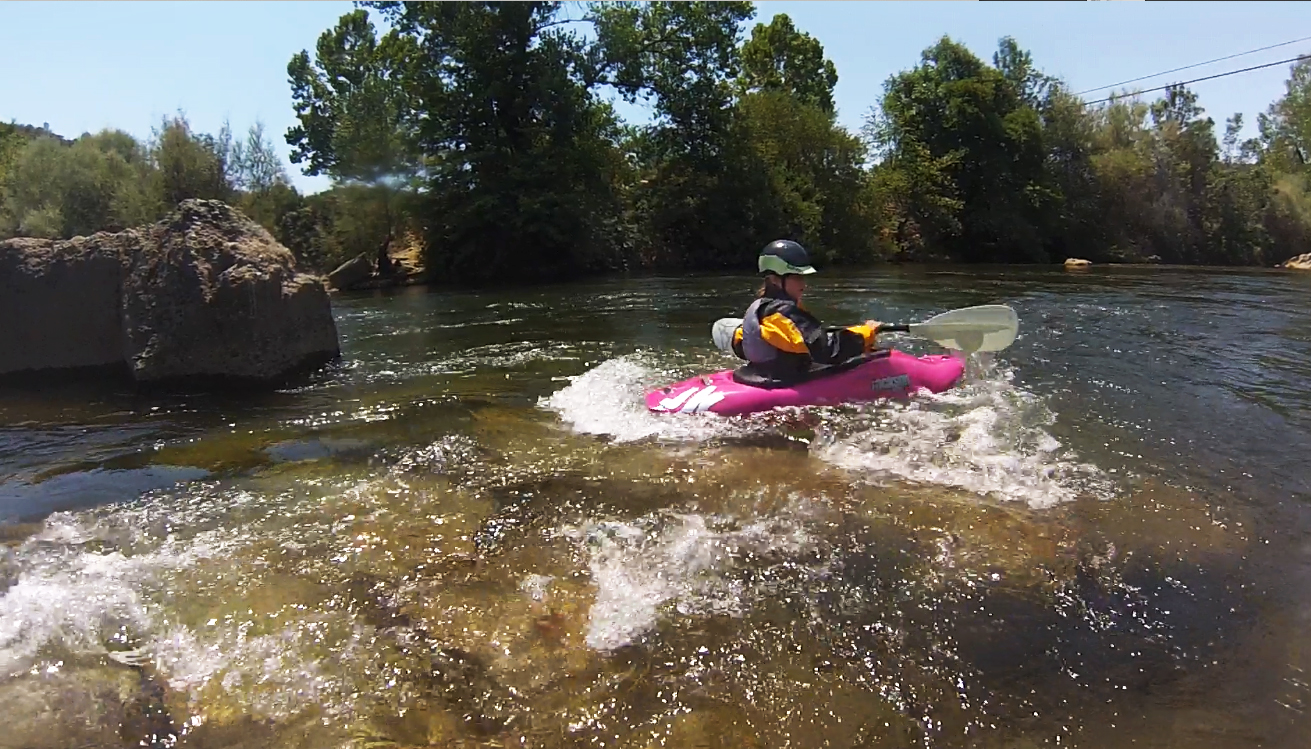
x,y
215,295
1300,262
351,273
59,302
205,293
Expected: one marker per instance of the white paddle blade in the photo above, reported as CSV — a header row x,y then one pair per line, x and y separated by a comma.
x,y
990,327
722,333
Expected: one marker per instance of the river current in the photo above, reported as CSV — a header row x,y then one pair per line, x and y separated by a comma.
x,y
470,532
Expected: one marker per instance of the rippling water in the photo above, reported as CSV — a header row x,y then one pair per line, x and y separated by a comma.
x,y
470,532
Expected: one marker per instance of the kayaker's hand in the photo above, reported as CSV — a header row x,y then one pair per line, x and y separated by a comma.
x,y
873,325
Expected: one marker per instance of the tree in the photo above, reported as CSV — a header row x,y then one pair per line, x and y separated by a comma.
x,y
699,198
973,125
1286,127
684,58
352,105
818,191
482,125
519,161
96,183
190,165
780,58
254,165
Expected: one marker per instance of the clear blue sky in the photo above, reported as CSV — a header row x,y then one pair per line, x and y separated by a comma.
x,y
89,65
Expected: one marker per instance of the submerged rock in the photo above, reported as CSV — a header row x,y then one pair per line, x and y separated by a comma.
x,y
205,293
89,707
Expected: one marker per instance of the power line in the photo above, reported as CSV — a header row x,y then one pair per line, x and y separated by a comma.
x,y
1199,80
1196,65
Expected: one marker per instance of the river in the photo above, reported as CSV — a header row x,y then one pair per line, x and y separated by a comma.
x,y
469,532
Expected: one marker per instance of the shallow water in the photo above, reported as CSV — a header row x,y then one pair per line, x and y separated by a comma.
x,y
469,532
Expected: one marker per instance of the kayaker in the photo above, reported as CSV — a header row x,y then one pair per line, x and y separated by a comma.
x,y
783,342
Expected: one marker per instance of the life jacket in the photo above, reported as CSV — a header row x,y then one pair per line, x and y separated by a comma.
x,y
785,344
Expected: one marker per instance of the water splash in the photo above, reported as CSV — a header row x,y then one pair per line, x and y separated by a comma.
x,y
987,436
608,400
68,593
671,559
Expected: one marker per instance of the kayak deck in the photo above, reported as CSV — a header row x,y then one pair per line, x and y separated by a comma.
x,y
891,374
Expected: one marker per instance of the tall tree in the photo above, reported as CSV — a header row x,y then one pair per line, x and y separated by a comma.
x,y
698,201
519,157
778,57
190,164
351,103
1286,127
972,121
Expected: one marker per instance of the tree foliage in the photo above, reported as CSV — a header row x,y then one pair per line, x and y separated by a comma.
x,y
488,130
1000,163
109,181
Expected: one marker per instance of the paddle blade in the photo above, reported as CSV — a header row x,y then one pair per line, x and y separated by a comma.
x,y
722,333
990,327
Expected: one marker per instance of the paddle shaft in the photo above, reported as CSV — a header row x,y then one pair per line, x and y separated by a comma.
x,y
883,328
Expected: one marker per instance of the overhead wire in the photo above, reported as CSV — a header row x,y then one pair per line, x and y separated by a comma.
x,y
1199,80
1196,65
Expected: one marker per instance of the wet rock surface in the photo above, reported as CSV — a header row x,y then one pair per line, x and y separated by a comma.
x,y
206,294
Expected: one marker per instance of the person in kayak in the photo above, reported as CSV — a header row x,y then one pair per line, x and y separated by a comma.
x,y
783,343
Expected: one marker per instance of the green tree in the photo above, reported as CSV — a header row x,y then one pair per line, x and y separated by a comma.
x,y
97,183
519,158
1283,150
699,199
351,102
817,189
683,57
354,108
11,142
778,57
972,123
1286,127
188,164
1238,195
253,164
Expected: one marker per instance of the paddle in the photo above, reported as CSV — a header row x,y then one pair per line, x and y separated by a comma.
x,y
989,327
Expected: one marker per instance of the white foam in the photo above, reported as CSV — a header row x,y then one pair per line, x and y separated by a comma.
x,y
609,400
79,598
679,560
87,579
273,675
987,437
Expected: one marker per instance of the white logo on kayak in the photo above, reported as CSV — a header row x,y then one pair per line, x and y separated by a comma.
x,y
899,382
692,400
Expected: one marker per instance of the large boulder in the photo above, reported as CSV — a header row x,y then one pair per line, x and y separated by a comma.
x,y
204,294
215,295
1301,262
351,273
60,302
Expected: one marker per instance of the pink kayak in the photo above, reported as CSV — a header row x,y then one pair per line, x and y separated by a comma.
x,y
887,375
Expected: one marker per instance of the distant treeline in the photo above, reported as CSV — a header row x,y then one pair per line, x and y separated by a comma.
x,y
485,129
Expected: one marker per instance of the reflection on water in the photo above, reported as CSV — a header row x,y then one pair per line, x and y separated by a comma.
x,y
471,533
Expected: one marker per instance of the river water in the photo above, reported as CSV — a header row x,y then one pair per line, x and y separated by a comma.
x,y
469,532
